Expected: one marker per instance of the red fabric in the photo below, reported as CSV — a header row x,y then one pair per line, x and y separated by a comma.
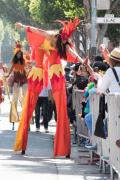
x,y
35,40
31,100
70,58
45,72
68,27
62,144
34,85
28,108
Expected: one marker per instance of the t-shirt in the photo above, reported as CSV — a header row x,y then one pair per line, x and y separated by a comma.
x,y
109,82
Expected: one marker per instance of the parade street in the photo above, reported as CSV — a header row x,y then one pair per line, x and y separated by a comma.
x,y
38,163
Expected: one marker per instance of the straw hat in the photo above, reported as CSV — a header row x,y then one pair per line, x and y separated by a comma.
x,y
115,54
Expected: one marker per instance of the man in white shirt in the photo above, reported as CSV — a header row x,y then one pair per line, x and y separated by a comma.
x,y
42,102
109,81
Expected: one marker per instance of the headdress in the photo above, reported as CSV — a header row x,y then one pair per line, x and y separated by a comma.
x,y
68,27
18,47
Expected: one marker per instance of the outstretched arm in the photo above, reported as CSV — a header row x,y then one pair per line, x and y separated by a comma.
x,y
74,54
33,29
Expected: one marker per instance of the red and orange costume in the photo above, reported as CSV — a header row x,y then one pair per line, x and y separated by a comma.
x,y
45,54
19,80
1,91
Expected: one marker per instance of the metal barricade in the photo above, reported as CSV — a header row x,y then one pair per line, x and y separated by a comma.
x,y
114,131
81,127
106,148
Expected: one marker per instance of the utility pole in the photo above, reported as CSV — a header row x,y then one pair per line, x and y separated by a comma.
x,y
93,28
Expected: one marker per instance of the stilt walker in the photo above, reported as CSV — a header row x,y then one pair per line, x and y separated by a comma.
x,y
53,48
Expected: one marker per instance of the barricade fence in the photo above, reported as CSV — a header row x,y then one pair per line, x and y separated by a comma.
x,y
106,148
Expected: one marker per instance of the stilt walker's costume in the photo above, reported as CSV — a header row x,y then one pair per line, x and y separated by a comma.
x,y
43,51
1,91
19,81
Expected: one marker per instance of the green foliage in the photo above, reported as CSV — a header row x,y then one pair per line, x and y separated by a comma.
x,y
15,10
1,30
8,41
47,11
40,11
72,8
34,9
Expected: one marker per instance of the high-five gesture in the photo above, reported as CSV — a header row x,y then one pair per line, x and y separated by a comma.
x,y
104,52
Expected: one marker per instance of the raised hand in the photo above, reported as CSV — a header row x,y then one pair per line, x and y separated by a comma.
x,y
104,52
102,48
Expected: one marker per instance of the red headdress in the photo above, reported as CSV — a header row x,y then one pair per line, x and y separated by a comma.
x,y
68,27
18,47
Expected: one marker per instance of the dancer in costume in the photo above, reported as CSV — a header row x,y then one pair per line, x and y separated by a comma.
x,y
19,80
1,83
49,48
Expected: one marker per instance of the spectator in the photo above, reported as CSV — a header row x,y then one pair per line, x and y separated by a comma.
x,y
82,77
109,81
42,102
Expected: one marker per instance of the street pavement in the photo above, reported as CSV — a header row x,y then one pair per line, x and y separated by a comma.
x,y
38,162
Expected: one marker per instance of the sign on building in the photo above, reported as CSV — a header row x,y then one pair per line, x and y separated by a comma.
x,y
108,20
103,4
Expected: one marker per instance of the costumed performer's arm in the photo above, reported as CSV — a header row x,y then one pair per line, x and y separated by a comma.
x,y
33,29
74,54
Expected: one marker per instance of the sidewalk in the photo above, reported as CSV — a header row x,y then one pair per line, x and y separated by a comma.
x,y
38,163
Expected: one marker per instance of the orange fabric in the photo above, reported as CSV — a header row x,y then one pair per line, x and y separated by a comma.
x,y
62,145
18,67
35,85
55,59
35,42
45,72
68,27
28,108
27,58
70,58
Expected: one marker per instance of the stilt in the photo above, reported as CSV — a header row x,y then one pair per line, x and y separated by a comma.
x,y
13,127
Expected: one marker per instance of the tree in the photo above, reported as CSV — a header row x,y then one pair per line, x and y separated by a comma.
x,y
15,10
49,10
1,30
40,12
8,42
112,31
108,30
